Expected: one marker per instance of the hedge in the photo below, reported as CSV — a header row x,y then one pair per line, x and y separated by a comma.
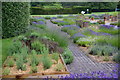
x,y
15,18
73,10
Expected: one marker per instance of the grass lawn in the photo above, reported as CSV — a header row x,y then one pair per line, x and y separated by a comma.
x,y
5,44
50,15
96,13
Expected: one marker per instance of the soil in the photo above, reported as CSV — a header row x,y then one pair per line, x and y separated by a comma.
x,y
96,57
40,68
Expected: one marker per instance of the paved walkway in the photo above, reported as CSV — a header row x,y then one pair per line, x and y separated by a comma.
x,y
81,62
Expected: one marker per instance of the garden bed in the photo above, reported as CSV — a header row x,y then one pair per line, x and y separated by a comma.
x,y
96,58
14,73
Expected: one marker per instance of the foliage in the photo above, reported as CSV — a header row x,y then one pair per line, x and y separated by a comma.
x,y
21,37
72,32
37,45
24,53
65,29
40,24
6,71
33,69
47,17
111,40
116,23
56,36
15,18
24,68
116,57
53,6
103,50
46,61
34,58
34,34
86,41
68,57
10,63
20,63
70,21
59,67
110,31
15,47
55,56
63,23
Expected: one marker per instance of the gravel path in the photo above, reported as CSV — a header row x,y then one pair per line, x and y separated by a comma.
x,y
81,62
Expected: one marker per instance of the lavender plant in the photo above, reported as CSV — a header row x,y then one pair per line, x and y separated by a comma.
x,y
68,57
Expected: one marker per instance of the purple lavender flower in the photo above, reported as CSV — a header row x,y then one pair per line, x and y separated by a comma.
x,y
71,26
99,33
59,21
41,22
53,18
77,35
34,22
93,32
107,34
107,26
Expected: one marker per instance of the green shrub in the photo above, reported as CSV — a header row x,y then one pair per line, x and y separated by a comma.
x,y
33,20
59,16
10,63
65,29
59,67
42,26
86,41
24,53
47,17
34,58
116,23
63,23
103,50
15,56
69,21
54,22
34,34
15,18
68,57
33,69
47,63
36,45
110,31
111,40
72,32
15,48
116,57
55,56
20,62
21,37
6,71
56,36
